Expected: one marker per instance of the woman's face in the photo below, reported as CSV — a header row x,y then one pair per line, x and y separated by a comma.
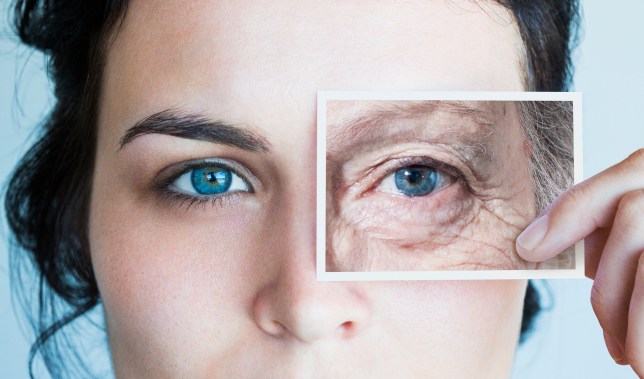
x,y
202,225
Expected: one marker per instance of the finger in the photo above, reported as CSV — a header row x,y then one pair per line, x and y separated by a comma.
x,y
613,285
593,247
580,210
635,337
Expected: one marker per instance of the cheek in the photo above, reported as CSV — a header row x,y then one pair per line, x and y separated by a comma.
x,y
167,275
452,230
472,325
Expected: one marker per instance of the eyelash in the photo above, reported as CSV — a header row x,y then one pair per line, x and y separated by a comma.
x,y
182,199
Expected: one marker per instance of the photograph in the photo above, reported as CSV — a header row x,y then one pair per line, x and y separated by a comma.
x,y
160,189
442,185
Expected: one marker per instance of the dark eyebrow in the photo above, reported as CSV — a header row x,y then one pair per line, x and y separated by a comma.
x,y
180,124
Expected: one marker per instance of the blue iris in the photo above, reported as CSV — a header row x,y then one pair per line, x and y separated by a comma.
x,y
416,180
211,180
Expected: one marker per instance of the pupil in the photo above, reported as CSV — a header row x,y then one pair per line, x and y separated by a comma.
x,y
416,180
414,177
211,180
215,176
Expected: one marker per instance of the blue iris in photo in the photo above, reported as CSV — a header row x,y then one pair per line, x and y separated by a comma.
x,y
211,180
416,180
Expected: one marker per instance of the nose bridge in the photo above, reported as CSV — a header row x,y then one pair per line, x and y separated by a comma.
x,y
297,266
300,207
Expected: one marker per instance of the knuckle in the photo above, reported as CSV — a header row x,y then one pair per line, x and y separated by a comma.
x,y
637,156
635,161
634,198
574,197
631,209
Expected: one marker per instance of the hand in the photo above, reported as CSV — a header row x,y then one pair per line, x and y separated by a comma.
x,y
608,211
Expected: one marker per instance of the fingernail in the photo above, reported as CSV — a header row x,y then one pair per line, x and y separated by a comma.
x,y
532,235
614,349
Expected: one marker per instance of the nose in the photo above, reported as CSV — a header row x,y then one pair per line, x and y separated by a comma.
x,y
296,306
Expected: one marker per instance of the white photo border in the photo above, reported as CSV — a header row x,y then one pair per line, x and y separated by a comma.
x,y
324,96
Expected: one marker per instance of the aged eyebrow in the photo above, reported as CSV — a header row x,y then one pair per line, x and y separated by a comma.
x,y
181,124
386,123
365,124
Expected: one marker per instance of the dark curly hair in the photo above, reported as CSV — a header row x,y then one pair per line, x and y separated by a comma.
x,y
49,221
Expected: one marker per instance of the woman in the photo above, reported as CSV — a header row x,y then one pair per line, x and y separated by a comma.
x,y
196,285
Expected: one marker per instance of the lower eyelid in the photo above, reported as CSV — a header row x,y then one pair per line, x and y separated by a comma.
x,y
173,187
187,201
410,219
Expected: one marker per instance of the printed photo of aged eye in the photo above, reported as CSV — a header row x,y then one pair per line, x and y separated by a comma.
x,y
442,185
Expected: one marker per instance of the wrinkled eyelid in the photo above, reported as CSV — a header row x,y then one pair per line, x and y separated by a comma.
x,y
446,169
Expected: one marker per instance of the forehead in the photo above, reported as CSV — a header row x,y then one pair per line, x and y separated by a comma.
x,y
233,55
341,111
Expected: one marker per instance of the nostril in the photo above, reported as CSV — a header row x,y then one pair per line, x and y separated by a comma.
x,y
276,329
273,328
346,329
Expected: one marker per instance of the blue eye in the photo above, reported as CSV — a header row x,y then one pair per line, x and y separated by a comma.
x,y
210,180
415,181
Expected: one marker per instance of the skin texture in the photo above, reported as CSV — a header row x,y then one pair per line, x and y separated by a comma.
x,y
226,288
468,223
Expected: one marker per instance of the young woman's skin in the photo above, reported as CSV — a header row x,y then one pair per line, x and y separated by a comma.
x,y
225,287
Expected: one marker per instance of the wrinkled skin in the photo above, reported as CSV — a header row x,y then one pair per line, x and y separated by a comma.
x,y
470,222
226,288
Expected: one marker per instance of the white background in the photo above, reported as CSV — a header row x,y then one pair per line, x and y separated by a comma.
x,y
568,342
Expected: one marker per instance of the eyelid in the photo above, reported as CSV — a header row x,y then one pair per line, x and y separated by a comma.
x,y
164,178
425,161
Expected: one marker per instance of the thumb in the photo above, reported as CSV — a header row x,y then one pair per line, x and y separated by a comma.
x,y
581,210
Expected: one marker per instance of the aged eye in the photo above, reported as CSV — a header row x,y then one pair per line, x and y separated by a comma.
x,y
416,180
210,180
